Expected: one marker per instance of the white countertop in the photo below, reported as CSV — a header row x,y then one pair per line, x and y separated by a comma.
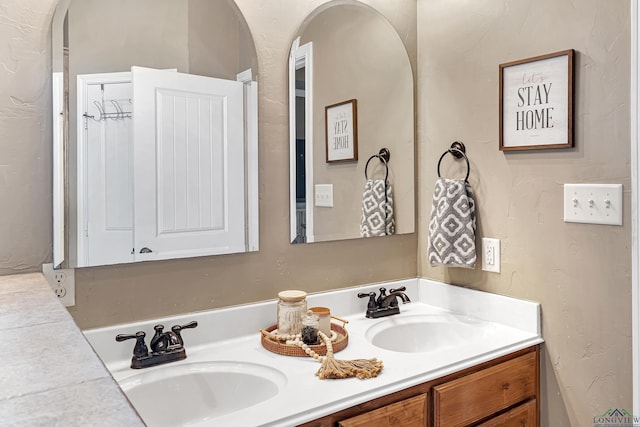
x,y
230,334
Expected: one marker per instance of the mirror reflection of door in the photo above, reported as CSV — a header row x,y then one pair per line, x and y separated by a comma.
x,y
106,184
184,162
189,165
301,190
207,38
301,135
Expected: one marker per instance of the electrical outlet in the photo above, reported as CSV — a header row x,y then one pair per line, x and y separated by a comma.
x,y
59,277
63,283
491,254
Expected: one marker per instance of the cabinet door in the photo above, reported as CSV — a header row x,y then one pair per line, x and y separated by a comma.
x,y
476,396
410,412
524,415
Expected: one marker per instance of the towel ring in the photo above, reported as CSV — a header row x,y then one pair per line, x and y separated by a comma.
x,y
457,150
384,155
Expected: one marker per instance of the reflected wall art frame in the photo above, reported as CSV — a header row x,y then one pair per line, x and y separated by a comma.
x,y
536,102
341,131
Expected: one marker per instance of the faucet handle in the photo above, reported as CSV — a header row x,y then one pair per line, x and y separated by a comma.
x,y
140,349
189,325
400,289
177,328
123,337
372,305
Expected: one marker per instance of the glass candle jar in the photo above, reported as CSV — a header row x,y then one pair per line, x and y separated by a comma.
x,y
292,305
324,318
310,328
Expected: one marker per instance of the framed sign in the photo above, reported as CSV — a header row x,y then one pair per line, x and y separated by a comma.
x,y
341,130
536,102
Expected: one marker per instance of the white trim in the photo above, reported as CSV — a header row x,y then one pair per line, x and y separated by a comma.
x,y
244,76
292,140
84,80
307,49
251,158
301,56
635,212
57,86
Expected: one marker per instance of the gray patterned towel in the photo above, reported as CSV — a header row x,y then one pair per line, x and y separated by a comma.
x,y
452,227
377,209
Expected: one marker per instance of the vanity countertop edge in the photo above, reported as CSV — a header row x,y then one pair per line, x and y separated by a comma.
x,y
50,374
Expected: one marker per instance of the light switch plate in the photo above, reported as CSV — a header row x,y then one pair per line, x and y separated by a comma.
x,y
324,195
593,203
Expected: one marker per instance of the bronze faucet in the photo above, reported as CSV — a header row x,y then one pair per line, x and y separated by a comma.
x,y
384,305
165,346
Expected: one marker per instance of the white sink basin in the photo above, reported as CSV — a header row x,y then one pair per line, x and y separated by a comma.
x,y
190,393
425,333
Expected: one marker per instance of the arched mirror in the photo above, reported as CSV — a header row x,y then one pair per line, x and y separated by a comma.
x,y
351,121
155,131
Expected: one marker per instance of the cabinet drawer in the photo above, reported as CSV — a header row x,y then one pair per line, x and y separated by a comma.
x,y
470,398
525,415
410,412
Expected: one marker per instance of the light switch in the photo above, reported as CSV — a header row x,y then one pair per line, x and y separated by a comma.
x,y
593,203
324,195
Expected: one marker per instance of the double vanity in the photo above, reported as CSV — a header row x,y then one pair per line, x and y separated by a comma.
x,y
452,355
448,342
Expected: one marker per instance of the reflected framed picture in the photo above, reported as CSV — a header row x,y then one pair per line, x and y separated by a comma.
x,y
536,102
341,130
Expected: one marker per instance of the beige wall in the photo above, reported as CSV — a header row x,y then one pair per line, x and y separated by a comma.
x,y
214,27
579,273
149,37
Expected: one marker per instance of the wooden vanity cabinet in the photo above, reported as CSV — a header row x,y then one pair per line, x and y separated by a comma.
x,y
499,393
469,399
411,412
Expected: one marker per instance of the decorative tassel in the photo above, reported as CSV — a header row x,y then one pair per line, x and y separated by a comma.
x,y
337,369
332,368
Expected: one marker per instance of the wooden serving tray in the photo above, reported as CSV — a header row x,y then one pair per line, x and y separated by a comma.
x,y
293,350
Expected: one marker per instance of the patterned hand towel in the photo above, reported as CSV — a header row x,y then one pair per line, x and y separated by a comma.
x,y
452,227
377,209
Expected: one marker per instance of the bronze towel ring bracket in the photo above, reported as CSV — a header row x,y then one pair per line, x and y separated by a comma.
x,y
384,155
458,151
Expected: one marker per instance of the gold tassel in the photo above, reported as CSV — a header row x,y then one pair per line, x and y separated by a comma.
x,y
337,369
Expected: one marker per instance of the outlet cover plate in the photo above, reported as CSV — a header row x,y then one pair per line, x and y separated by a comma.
x,y
491,255
63,283
593,203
